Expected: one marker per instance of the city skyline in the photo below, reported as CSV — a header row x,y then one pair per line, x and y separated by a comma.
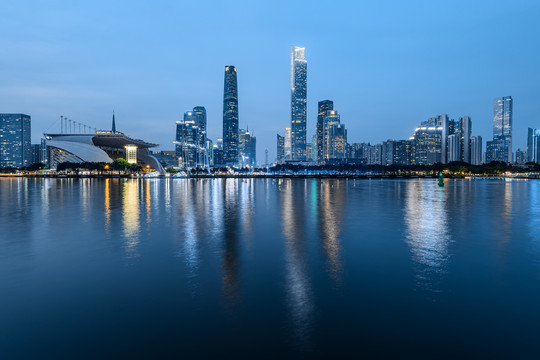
x,y
375,83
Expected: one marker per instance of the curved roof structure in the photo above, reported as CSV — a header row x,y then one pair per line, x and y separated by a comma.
x,y
99,148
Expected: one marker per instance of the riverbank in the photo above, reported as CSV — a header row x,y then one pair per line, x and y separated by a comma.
x,y
280,176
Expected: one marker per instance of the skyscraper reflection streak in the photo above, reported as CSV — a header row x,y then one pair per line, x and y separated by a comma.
x,y
427,230
130,217
299,292
332,199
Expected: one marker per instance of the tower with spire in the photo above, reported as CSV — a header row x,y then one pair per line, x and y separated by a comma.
x,y
113,124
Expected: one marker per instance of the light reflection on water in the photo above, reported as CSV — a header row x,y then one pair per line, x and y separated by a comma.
x,y
299,292
427,234
258,254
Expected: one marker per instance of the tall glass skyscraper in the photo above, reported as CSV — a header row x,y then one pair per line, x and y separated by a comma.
x,y
15,145
502,129
200,113
298,103
230,117
324,106
533,148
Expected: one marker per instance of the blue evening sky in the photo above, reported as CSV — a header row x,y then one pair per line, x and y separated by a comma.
x,y
387,65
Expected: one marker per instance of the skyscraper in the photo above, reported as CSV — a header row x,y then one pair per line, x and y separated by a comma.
x,y
298,103
230,117
465,128
337,138
428,145
188,148
280,148
324,106
454,147
330,118
533,153
15,145
287,145
247,148
502,130
200,113
476,150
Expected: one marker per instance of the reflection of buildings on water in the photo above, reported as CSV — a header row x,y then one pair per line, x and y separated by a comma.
x,y
186,220
427,229
130,216
299,292
331,211
534,212
231,234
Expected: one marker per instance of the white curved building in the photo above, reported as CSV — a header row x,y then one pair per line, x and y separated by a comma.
x,y
99,147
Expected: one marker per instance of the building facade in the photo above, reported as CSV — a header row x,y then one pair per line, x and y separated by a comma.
x,y
247,148
298,103
15,142
280,146
427,141
502,130
323,107
330,119
230,117
476,150
533,151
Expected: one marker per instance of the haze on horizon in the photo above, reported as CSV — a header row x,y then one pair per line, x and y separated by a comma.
x,y
387,65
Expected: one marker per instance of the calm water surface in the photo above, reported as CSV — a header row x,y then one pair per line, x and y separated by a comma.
x,y
188,268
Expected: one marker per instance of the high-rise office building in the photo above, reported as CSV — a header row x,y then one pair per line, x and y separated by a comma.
x,y
443,123
500,149
247,148
454,148
337,140
476,150
200,113
428,141
280,148
465,132
230,117
324,106
330,119
15,144
288,146
533,150
189,151
298,103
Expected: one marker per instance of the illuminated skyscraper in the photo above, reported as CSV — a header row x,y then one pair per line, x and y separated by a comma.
x,y
298,103
200,113
533,150
465,129
15,145
330,118
287,146
324,106
337,136
188,149
247,148
280,148
501,146
230,117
